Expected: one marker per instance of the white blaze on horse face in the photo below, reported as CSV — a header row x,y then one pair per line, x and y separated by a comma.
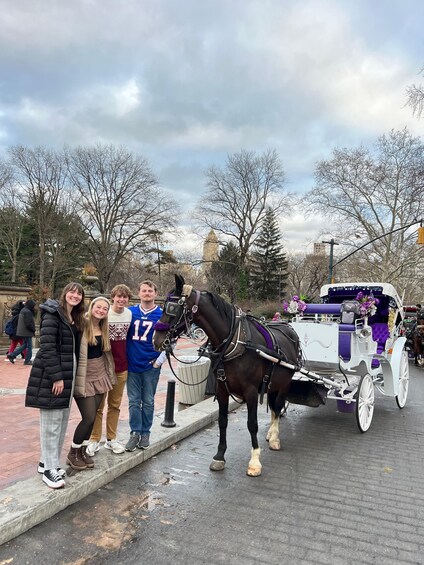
x,y
255,468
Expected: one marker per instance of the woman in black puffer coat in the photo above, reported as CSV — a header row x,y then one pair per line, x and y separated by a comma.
x,y
51,381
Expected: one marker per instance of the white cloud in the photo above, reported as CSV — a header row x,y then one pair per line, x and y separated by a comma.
x,y
186,83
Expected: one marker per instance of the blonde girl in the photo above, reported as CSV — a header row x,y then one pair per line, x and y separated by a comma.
x,y
95,377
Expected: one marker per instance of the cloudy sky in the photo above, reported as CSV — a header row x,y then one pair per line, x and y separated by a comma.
x,y
185,82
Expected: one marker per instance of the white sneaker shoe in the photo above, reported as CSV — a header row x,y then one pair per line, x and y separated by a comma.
x,y
92,448
115,446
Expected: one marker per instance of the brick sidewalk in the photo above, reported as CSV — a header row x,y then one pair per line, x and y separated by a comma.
x,y
19,426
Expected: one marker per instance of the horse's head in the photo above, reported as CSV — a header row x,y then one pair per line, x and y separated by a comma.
x,y
176,317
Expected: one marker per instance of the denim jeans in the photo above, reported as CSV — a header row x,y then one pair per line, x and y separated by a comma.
x,y
141,390
26,344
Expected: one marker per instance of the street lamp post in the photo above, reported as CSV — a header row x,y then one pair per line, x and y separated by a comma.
x,y
332,243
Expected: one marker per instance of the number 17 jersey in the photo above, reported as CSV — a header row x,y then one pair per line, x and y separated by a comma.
x,y
140,350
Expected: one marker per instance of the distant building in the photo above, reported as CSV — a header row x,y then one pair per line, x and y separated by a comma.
x,y
210,251
320,249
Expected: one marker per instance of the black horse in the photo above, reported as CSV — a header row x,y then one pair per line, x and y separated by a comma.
x,y
245,356
418,339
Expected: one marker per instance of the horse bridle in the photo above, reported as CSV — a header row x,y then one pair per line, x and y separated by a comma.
x,y
181,316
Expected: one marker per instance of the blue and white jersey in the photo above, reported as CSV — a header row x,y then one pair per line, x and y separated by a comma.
x,y
140,350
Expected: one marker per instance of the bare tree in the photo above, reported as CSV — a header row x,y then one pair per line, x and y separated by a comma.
x,y
415,97
66,246
237,197
41,176
120,204
307,274
375,194
12,219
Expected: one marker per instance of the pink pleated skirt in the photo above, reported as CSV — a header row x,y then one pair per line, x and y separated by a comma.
x,y
97,380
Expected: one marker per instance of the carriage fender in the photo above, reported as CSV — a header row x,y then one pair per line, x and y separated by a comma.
x,y
391,381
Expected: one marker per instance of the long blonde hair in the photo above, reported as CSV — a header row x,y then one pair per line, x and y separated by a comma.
x,y
103,324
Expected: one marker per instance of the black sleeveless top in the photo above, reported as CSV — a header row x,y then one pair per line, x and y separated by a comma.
x,y
95,351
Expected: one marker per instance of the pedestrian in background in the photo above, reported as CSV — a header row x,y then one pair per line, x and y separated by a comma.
x,y
119,322
51,381
15,341
26,331
144,364
95,377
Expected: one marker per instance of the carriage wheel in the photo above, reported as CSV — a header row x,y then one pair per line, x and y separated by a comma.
x,y
403,380
365,403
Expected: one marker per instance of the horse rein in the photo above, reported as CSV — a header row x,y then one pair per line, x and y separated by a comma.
x,y
184,318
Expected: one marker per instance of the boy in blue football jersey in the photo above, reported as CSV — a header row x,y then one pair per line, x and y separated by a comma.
x,y
144,364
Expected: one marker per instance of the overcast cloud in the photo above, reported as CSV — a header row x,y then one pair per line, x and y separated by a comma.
x,y
186,82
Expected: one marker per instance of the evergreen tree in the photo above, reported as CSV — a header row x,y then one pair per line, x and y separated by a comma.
x,y
224,274
268,271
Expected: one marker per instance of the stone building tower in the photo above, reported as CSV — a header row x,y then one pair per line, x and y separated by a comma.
x,y
210,251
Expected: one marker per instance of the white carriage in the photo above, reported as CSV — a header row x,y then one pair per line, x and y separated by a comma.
x,y
352,355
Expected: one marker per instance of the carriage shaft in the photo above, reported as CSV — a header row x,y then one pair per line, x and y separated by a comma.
x,y
310,374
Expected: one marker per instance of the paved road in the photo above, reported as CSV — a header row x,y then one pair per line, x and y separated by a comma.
x,y
332,495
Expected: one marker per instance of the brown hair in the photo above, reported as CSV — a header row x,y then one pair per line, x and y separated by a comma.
x,y
77,312
121,289
103,324
149,283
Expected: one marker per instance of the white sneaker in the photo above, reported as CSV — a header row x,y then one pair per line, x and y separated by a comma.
x,y
92,448
115,446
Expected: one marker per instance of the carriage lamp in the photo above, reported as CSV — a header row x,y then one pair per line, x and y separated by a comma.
x,y
420,239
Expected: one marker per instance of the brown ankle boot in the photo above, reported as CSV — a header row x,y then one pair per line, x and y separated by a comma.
x,y
89,461
75,459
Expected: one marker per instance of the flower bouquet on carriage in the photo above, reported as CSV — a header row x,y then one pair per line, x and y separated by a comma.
x,y
367,305
295,306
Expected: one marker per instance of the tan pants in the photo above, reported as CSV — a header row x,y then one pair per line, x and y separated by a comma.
x,y
114,399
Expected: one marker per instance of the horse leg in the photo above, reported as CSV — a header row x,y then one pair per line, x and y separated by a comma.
x,y
276,403
254,468
218,461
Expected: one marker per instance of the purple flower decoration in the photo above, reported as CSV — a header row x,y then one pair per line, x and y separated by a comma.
x,y
294,306
367,304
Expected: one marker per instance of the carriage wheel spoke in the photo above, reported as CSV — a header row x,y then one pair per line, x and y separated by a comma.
x,y
365,403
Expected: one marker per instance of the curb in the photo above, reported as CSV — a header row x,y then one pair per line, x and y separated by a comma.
x,y
30,502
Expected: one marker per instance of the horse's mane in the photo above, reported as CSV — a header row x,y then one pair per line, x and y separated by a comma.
x,y
224,308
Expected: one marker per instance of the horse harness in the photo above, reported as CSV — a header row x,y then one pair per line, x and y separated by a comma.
x,y
238,341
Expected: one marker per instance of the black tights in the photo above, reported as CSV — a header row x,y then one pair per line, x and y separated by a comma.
x,y
88,408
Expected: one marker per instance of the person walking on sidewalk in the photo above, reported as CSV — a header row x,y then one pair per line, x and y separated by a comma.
x,y
144,364
26,331
15,341
119,323
95,376
51,380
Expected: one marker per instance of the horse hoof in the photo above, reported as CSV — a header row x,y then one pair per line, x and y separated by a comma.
x,y
254,471
217,465
275,445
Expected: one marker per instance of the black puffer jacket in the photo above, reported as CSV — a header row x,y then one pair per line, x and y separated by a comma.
x,y
54,360
26,322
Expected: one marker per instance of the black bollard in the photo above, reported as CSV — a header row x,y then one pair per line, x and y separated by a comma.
x,y
168,421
